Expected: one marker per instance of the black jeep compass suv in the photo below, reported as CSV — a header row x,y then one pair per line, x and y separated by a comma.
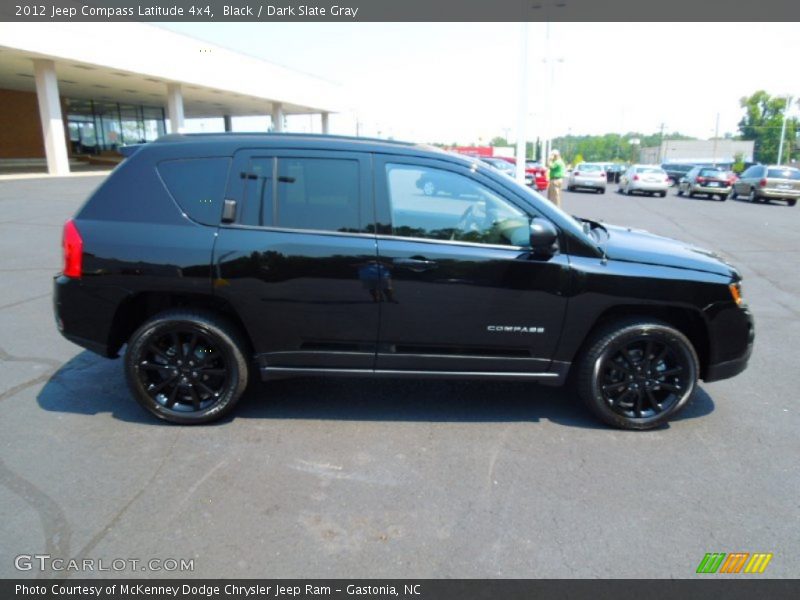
x,y
214,257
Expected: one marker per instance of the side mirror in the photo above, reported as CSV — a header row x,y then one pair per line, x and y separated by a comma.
x,y
544,236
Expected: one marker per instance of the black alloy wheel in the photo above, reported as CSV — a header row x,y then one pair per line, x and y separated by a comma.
x,y
637,374
186,367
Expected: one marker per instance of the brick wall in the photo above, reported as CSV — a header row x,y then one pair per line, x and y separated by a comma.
x,y
20,129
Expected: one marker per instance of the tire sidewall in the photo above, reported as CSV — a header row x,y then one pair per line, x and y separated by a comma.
x,y
225,344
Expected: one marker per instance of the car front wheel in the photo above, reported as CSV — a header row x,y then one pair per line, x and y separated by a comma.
x,y
637,373
187,366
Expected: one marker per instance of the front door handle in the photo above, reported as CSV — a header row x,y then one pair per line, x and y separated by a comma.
x,y
418,264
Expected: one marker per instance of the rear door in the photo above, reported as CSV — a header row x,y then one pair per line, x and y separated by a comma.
x,y
294,260
459,289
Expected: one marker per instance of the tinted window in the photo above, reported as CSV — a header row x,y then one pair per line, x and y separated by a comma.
x,y
318,193
783,174
437,204
198,186
589,167
712,173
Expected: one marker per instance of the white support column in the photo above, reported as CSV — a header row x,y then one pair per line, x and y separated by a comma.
x,y
175,107
326,123
55,142
277,117
228,122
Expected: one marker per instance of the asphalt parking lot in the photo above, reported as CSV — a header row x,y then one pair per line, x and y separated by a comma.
x,y
354,478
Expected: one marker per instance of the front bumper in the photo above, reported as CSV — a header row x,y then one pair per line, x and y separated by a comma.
x,y
731,366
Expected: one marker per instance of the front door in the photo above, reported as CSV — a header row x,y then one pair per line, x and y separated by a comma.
x,y
460,290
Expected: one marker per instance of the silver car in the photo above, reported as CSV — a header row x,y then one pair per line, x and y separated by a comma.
x,y
585,175
645,179
761,183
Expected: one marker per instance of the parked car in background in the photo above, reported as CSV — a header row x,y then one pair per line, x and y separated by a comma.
x,y
644,179
587,176
761,183
708,181
541,177
506,167
677,171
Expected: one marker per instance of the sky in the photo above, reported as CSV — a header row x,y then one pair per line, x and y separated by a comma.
x,y
460,82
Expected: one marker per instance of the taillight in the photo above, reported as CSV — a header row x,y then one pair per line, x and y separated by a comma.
x,y
603,175
576,173
636,178
701,180
763,183
73,250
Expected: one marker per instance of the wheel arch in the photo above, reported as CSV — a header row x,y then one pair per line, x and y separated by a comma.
x,y
686,320
138,307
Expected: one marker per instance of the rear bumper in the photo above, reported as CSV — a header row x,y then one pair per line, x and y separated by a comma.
x,y
589,183
778,194
702,189
83,315
649,187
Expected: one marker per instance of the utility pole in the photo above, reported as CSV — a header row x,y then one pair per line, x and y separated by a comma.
x,y
783,130
661,144
716,136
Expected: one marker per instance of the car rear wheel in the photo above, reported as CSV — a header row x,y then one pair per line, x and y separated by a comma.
x,y
601,190
187,366
723,197
637,373
792,201
753,197
662,194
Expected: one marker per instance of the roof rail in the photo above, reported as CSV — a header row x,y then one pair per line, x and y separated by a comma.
x,y
176,137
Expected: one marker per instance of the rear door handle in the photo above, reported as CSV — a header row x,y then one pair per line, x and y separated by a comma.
x,y
417,264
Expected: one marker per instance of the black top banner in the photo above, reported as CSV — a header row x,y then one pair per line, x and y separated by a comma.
x,y
400,10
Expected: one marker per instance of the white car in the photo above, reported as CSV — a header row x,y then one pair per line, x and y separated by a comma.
x,y
645,179
585,175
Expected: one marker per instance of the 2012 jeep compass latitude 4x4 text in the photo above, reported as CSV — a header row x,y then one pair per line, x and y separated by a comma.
x,y
217,257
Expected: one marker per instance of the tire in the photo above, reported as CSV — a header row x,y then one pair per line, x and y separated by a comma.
x,y
429,189
792,201
723,197
196,357
691,194
663,194
680,191
753,197
622,387
601,190
570,188
733,195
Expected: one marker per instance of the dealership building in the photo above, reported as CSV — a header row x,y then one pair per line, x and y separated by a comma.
x,y
78,91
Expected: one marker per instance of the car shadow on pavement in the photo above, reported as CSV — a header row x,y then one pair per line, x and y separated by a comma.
x,y
89,385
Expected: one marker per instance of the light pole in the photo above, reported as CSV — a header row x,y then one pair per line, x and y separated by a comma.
x,y
783,129
523,102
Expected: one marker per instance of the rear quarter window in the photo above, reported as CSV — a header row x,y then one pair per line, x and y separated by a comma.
x,y
783,174
197,185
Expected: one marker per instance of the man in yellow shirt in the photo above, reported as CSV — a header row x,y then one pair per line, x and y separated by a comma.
x,y
557,169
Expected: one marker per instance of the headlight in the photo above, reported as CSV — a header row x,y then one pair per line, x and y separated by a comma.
x,y
736,292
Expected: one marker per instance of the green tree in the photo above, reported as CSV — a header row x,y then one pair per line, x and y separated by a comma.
x,y
762,122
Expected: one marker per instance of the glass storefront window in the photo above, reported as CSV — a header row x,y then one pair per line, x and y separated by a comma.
x,y
96,127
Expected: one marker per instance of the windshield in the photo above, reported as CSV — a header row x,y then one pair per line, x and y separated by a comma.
x,y
712,173
589,167
650,170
